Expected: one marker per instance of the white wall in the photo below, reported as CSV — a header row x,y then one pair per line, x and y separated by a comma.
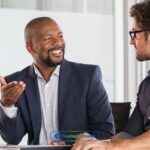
x,y
89,40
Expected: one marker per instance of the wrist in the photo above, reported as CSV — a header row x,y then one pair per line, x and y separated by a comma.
x,y
5,104
122,145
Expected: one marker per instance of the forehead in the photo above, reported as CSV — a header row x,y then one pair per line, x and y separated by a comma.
x,y
46,27
135,24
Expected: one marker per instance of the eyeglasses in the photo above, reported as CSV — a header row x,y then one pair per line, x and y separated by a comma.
x,y
133,33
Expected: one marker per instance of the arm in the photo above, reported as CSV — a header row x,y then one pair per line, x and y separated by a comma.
x,y
10,93
99,109
124,140
11,129
138,143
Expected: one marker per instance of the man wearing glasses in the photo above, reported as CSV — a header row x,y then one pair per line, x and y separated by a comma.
x,y
136,134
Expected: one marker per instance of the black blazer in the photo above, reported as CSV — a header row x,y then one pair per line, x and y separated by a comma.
x,y
82,104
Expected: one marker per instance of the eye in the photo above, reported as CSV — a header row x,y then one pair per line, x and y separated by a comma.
x,y
47,38
133,35
61,36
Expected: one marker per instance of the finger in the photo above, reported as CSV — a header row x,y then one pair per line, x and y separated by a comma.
x,y
16,91
85,137
9,85
95,145
14,84
88,146
20,87
52,143
78,146
11,93
2,81
100,148
57,143
21,83
61,143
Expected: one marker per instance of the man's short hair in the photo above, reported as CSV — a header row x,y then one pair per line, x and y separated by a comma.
x,y
141,12
31,24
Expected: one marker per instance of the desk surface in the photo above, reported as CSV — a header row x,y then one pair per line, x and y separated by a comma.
x,y
35,147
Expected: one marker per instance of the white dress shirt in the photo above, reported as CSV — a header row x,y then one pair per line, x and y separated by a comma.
x,y
49,104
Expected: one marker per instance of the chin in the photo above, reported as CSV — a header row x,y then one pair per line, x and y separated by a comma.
x,y
142,58
58,61
54,63
139,58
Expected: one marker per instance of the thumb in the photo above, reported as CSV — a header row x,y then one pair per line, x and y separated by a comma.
x,y
2,81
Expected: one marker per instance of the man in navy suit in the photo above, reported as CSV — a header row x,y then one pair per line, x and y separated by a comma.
x,y
52,95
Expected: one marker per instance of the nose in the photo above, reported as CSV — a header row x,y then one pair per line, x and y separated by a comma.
x,y
57,41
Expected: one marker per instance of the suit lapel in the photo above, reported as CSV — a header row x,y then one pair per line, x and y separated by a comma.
x,y
33,98
64,86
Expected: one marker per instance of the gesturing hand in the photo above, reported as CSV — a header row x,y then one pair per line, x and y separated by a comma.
x,y
10,92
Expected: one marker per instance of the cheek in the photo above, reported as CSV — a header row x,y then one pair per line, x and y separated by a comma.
x,y
41,49
63,42
43,53
147,48
140,45
143,49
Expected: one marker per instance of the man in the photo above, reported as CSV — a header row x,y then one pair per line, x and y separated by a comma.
x,y
53,95
136,134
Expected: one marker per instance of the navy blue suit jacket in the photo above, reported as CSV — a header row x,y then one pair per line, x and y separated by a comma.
x,y
82,104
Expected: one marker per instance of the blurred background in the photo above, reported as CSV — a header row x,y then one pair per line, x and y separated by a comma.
x,y
95,31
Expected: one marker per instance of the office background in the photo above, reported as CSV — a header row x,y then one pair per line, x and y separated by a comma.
x,y
95,31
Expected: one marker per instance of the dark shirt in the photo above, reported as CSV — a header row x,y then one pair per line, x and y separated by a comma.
x,y
139,121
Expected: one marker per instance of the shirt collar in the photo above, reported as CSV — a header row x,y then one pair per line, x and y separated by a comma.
x,y
38,74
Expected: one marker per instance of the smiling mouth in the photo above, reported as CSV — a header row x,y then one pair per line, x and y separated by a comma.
x,y
56,52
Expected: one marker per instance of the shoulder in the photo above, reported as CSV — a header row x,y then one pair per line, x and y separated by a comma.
x,y
143,93
81,70
19,75
145,83
146,80
80,67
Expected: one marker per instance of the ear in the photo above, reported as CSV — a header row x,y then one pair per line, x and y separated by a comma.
x,y
29,47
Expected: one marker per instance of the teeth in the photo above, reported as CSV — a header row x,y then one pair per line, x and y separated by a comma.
x,y
56,51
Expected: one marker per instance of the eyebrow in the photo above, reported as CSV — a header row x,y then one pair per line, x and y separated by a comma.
x,y
50,34
133,29
60,32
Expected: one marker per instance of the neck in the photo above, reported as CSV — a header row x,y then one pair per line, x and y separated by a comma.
x,y
46,72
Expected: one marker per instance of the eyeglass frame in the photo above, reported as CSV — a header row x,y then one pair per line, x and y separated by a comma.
x,y
133,33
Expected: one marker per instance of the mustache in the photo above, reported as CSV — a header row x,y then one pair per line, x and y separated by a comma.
x,y
57,47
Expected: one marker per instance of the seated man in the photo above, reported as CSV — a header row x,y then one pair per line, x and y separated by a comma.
x,y
52,95
136,134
